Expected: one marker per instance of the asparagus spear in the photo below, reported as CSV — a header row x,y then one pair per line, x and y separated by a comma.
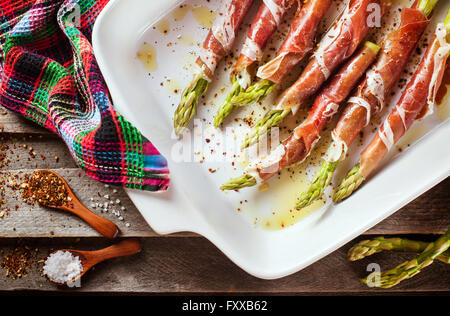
x,y
351,182
264,24
410,268
227,106
240,182
263,127
188,105
321,181
254,93
354,177
367,248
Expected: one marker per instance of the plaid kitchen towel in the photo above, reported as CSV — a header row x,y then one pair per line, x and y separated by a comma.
x,y
51,77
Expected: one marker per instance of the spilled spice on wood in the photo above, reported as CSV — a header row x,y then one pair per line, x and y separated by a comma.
x,y
48,190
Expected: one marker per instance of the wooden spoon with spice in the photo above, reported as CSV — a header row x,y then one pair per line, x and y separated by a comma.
x,y
51,190
61,265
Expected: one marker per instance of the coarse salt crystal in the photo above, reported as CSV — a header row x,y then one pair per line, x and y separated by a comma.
x,y
62,267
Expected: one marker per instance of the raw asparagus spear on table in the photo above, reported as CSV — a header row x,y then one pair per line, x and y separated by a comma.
x,y
410,268
298,146
367,248
371,94
337,45
418,97
298,43
267,20
217,44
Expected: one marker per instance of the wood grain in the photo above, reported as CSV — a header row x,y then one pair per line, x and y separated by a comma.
x,y
14,123
427,214
194,265
186,262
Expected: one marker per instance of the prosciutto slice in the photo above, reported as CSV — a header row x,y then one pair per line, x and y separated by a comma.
x,y
268,18
222,34
299,41
337,45
380,80
297,147
415,100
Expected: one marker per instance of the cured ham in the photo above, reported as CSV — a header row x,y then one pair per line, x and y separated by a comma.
x,y
381,79
217,44
268,18
266,21
298,146
338,44
417,99
372,93
298,43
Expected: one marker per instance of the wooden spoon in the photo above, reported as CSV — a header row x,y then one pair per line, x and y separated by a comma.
x,y
89,259
100,224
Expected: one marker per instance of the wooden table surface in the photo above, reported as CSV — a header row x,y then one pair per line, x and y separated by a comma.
x,y
185,262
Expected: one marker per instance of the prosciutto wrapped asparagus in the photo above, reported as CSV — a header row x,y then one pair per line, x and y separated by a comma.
x,y
298,43
298,146
372,93
338,44
418,96
217,44
267,20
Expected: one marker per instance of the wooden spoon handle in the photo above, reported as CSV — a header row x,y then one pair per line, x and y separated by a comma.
x,y
100,224
126,247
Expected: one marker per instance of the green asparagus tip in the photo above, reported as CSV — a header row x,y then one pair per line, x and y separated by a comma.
x,y
243,181
427,6
367,248
227,107
272,119
364,249
254,93
188,105
412,267
350,184
318,185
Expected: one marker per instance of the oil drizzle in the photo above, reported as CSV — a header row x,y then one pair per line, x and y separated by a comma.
x,y
147,56
202,14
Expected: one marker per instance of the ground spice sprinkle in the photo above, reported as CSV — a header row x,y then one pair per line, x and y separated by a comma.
x,y
18,262
47,189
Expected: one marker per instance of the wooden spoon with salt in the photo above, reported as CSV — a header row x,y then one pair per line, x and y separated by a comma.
x,y
100,224
89,259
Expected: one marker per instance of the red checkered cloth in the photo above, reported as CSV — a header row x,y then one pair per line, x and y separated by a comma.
x,y
51,77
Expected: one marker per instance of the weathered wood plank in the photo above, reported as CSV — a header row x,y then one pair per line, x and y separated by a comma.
x,y
427,214
15,123
193,265
36,151
34,221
